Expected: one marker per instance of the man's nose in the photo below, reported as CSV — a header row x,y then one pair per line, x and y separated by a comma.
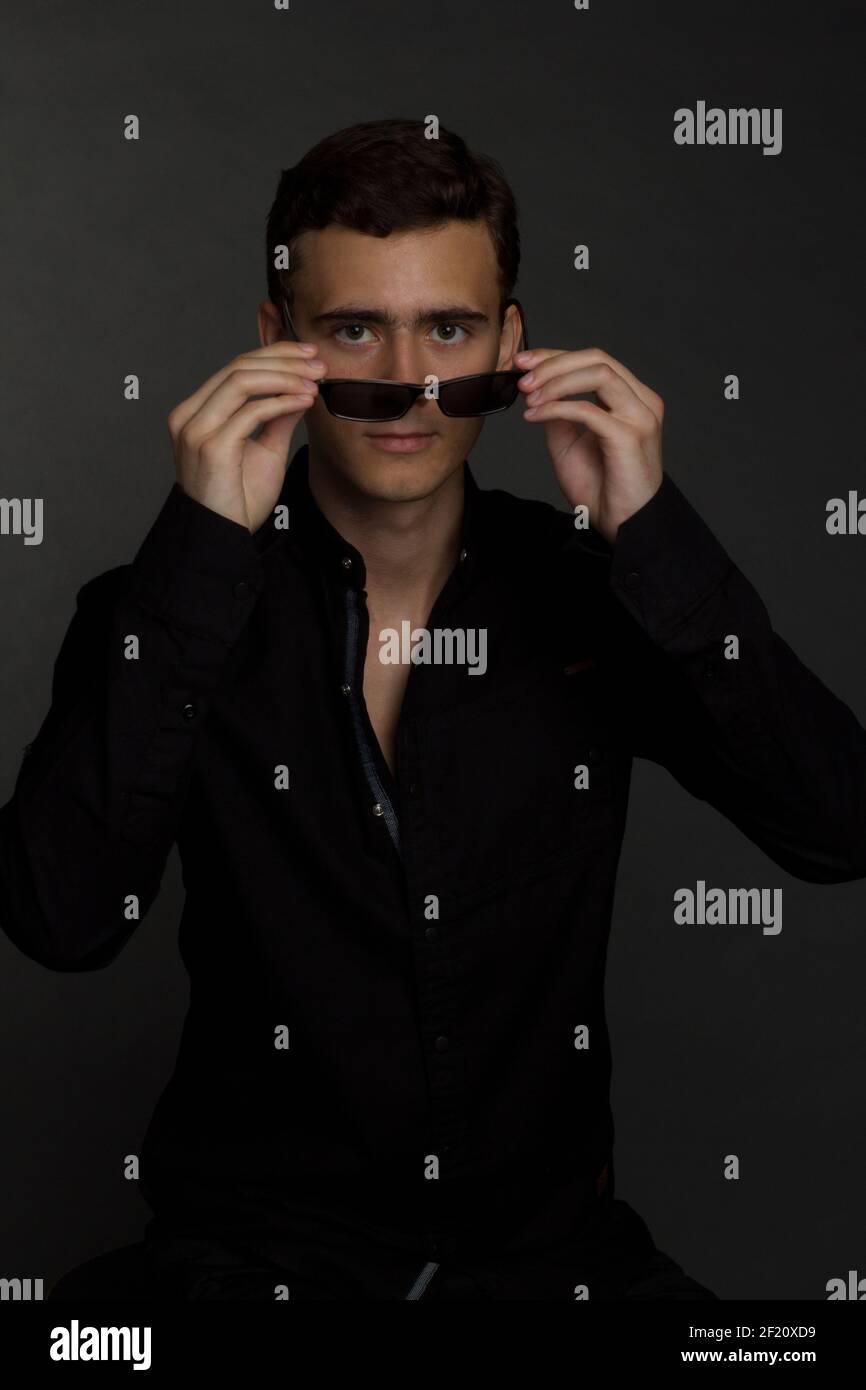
x,y
403,358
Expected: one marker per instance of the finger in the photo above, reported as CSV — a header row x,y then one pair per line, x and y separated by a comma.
x,y
531,358
254,413
297,352
600,421
607,384
545,367
235,390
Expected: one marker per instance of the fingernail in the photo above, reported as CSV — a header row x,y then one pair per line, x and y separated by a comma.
x,y
316,363
528,379
308,347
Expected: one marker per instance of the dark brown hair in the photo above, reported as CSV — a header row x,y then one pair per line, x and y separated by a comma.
x,y
385,176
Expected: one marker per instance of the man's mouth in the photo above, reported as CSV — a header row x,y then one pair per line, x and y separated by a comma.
x,y
401,443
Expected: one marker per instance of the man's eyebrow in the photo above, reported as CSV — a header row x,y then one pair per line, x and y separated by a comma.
x,y
357,313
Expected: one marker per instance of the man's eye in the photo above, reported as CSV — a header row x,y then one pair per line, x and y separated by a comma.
x,y
449,329
354,332
348,328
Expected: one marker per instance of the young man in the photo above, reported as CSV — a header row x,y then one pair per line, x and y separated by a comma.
x,y
393,1078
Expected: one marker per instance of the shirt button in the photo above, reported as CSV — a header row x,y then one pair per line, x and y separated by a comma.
x,y
413,787
709,668
463,555
441,1044
431,934
241,589
591,755
189,711
632,579
377,810
347,562
346,689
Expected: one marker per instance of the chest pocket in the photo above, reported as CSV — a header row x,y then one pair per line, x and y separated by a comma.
x,y
529,776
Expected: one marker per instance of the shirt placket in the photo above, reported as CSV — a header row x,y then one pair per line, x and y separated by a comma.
x,y
431,954
382,804
433,947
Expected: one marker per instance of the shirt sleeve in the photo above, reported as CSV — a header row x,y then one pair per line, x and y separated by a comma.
x,y
757,735
96,805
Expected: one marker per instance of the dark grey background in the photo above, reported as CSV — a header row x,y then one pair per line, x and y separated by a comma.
x,y
148,257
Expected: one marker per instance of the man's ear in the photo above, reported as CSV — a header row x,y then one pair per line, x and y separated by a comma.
x,y
270,327
509,340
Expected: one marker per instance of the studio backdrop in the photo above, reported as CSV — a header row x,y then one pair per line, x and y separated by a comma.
x,y
718,255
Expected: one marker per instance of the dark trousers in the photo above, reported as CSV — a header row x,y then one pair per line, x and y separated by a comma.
x,y
630,1266
179,1268
662,1278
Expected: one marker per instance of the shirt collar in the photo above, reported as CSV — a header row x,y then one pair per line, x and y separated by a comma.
x,y
309,528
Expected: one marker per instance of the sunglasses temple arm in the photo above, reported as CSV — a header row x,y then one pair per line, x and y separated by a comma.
x,y
524,331
287,322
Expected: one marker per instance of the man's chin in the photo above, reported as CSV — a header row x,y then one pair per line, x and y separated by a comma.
x,y
386,473
395,475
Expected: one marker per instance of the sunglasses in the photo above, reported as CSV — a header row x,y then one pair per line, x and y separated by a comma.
x,y
355,398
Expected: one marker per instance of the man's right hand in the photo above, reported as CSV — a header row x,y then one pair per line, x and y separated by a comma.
x,y
217,463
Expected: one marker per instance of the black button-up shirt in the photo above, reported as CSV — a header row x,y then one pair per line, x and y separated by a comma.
x,y
396,1054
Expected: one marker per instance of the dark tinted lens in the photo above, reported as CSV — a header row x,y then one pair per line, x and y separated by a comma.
x,y
479,395
365,400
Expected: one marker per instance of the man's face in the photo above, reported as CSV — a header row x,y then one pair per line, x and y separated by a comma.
x,y
401,307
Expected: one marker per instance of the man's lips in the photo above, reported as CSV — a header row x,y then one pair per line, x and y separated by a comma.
x,y
401,443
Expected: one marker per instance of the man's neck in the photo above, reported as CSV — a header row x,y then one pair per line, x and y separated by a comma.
x,y
409,548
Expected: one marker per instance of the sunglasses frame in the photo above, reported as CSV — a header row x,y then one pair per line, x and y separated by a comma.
x,y
412,387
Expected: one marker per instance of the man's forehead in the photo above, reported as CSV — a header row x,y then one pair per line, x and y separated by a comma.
x,y
454,261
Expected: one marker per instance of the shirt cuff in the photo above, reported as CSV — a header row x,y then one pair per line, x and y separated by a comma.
x,y
666,561
197,570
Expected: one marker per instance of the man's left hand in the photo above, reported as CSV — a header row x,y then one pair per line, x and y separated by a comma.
x,y
608,456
